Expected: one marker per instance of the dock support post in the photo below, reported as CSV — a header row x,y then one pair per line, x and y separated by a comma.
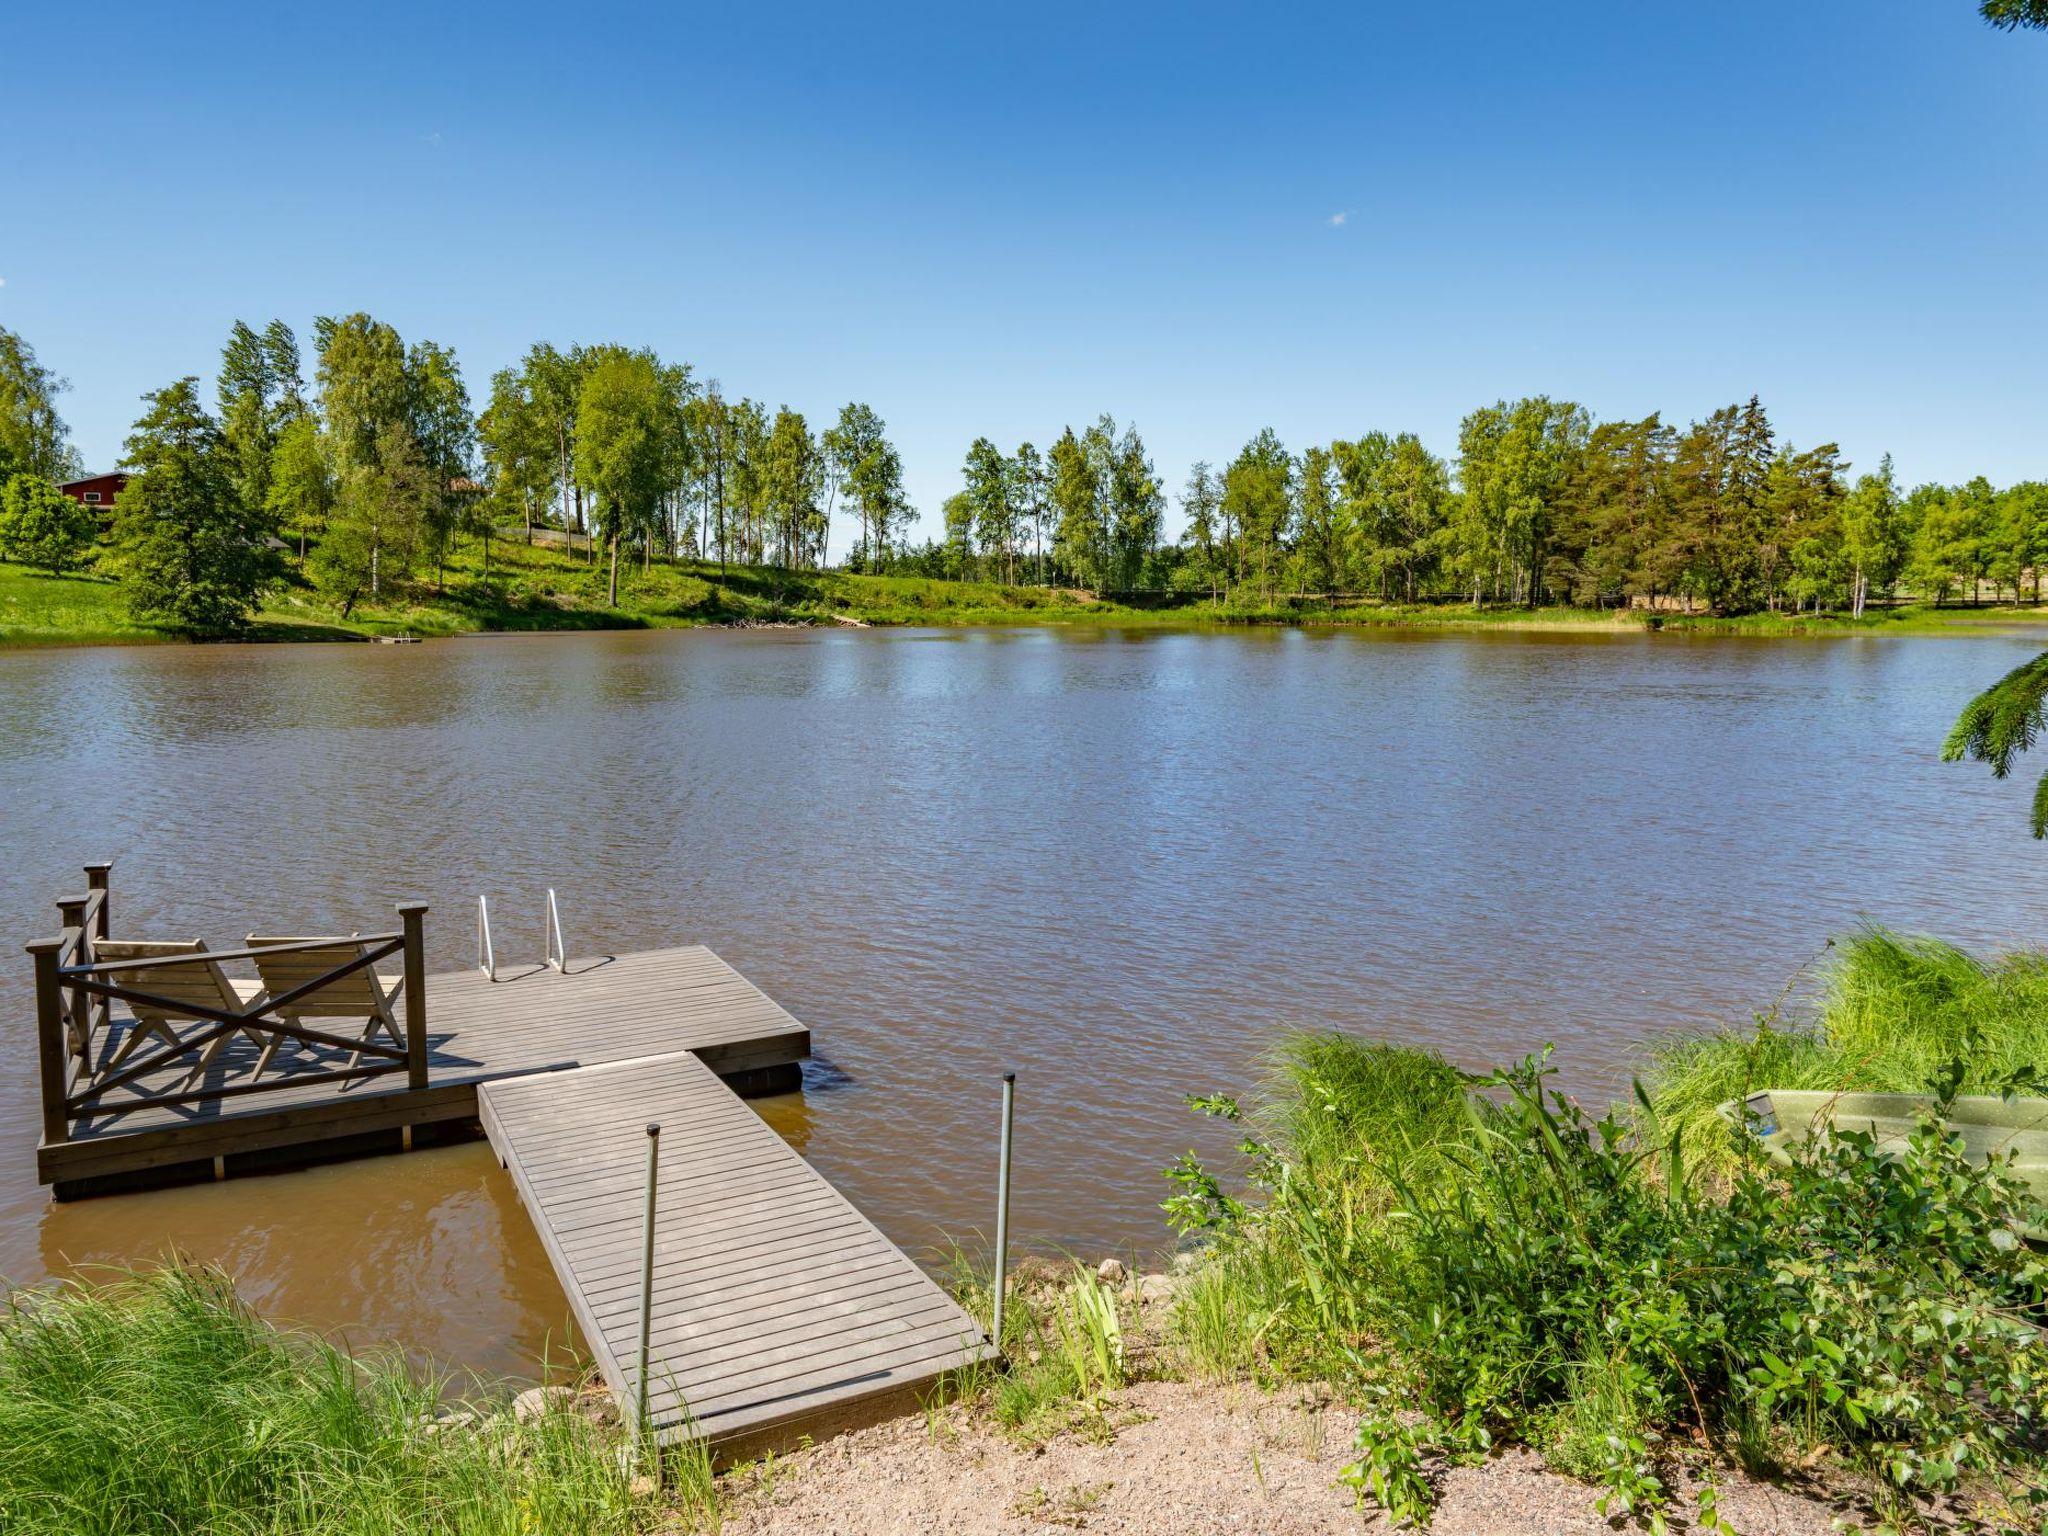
x,y
640,1423
53,1047
412,914
1003,1211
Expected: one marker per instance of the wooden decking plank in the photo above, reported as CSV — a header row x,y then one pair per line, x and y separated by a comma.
x,y
714,1359
847,1378
809,1365
736,1332
811,1238
813,1233
827,1271
774,1298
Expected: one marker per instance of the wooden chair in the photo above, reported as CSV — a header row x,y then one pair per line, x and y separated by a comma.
x,y
203,983
361,996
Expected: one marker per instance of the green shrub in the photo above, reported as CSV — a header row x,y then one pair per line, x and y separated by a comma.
x,y
1543,1279
41,526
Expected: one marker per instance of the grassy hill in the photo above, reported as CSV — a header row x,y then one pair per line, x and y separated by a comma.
x,y
545,587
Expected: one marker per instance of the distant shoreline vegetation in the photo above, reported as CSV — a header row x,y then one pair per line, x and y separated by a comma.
x,y
377,496
542,588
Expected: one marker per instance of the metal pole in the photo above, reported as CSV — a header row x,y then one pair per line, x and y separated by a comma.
x,y
640,1425
1003,1210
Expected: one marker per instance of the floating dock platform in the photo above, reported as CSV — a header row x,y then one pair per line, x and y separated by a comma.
x,y
779,1311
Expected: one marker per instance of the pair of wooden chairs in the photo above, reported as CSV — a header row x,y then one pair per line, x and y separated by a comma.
x,y
361,999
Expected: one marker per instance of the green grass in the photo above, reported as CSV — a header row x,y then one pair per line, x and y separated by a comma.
x,y
1894,1011
156,1403
1063,1343
1341,1106
546,587
39,609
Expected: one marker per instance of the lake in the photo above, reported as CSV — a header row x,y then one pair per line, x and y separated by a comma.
x,y
1116,863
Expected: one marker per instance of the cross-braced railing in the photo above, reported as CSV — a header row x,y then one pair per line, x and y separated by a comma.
x,y
83,1075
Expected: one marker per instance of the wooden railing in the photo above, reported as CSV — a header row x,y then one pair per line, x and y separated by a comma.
x,y
76,991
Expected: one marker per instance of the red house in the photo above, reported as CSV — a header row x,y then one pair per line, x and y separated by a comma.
x,y
96,491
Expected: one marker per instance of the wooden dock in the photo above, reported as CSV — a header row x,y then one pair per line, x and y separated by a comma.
x,y
779,1310
776,1304
535,1019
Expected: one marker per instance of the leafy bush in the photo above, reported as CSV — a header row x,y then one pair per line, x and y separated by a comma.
x,y
41,526
1562,1283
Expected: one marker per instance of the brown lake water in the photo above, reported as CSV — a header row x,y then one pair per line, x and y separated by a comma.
x,y
1114,862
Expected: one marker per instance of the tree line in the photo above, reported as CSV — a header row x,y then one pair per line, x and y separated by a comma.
x,y
367,475
374,471
1542,504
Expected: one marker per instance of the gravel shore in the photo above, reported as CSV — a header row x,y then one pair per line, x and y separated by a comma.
x,y
1170,1458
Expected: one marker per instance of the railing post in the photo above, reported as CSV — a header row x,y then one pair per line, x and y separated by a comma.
x,y
71,911
52,1048
96,879
411,914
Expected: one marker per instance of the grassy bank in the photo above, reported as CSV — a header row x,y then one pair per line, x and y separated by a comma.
x,y
1478,1264
1893,1013
546,587
157,1405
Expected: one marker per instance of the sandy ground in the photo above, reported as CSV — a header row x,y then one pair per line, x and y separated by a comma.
x,y
1169,1458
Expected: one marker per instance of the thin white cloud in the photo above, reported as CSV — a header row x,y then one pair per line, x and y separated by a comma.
x,y
3,282
1339,220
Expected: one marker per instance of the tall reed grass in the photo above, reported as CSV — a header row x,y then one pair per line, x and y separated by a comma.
x,y
157,1405
1893,1014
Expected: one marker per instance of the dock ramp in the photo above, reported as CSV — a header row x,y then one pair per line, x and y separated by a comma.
x,y
779,1310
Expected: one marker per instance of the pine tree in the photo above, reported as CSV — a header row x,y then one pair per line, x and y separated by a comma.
x,y
190,550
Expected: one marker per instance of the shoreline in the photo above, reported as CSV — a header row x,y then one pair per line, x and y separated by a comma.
x,y
534,589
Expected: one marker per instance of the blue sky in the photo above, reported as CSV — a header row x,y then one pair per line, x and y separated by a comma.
x,y
1205,219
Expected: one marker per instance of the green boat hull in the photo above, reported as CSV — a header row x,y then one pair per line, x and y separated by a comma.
x,y
1989,1126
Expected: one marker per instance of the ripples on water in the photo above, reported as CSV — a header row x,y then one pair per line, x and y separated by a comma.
x,y
1114,862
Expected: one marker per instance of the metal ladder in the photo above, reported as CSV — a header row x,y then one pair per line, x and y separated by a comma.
x,y
556,956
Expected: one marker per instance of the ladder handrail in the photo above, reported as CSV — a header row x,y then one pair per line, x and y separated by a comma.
x,y
486,956
557,955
